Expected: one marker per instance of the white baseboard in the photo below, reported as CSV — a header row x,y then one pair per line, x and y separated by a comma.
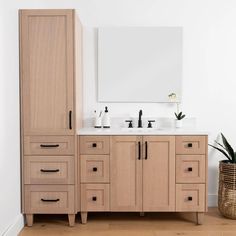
x,y
212,200
16,227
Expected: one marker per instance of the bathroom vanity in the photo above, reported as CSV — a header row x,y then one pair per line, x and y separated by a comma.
x,y
153,171
67,169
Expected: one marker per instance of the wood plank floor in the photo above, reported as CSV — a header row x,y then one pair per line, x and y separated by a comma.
x,y
131,224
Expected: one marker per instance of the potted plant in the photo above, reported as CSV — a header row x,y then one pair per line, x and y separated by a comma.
x,y
227,179
178,122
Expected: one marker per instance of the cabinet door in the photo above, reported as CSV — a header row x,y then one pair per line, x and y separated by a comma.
x,y
47,71
159,173
126,173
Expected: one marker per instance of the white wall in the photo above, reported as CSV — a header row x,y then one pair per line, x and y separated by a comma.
x,y
209,72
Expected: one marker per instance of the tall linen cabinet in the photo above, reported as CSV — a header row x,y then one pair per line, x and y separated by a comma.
x,y
50,73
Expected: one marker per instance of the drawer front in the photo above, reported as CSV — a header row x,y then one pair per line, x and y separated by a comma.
x,y
49,199
49,145
190,169
190,145
190,197
95,197
94,168
94,145
49,170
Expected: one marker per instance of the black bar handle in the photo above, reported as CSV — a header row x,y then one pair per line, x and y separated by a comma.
x,y
95,169
94,145
139,150
190,198
56,170
49,145
50,200
146,150
70,119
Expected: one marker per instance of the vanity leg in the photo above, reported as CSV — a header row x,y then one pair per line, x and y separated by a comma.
x,y
71,218
200,217
84,216
29,219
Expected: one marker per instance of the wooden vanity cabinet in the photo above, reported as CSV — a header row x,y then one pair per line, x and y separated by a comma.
x,y
50,58
163,173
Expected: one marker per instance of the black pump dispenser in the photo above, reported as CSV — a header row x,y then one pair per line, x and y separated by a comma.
x,y
106,109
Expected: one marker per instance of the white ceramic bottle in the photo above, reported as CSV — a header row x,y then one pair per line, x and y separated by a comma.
x,y
106,119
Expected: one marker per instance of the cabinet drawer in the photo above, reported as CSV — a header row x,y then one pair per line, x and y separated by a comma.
x,y
94,145
95,197
49,145
49,170
190,145
190,168
94,168
190,197
49,199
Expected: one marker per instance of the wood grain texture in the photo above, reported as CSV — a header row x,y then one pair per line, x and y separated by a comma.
x,y
131,224
159,174
32,145
94,145
197,194
95,197
47,71
197,144
35,193
95,168
126,174
197,171
39,170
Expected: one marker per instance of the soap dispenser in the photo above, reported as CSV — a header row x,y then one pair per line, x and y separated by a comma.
x,y
106,119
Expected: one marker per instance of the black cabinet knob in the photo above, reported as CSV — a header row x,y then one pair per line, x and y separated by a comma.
x,y
190,198
94,145
94,199
95,169
190,169
190,145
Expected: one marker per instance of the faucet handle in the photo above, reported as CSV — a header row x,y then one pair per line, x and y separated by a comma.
x,y
130,123
150,123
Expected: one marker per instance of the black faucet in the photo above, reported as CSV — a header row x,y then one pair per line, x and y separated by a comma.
x,y
140,119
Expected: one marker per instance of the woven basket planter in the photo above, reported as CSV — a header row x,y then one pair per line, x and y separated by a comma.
x,y
227,189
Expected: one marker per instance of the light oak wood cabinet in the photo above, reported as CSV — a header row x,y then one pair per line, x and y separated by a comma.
x,y
50,73
147,174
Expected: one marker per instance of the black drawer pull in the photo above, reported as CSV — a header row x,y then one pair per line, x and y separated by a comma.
x,y
49,145
50,200
56,170
70,119
94,145
190,198
190,145
95,169
139,150
190,169
94,199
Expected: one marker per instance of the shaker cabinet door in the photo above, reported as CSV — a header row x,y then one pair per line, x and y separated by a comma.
x,y
159,173
47,71
126,173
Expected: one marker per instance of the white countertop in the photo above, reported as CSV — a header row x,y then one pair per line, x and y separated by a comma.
x,y
141,131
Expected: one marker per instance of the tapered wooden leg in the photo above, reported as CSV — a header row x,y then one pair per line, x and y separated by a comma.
x,y
200,218
29,219
84,216
71,218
